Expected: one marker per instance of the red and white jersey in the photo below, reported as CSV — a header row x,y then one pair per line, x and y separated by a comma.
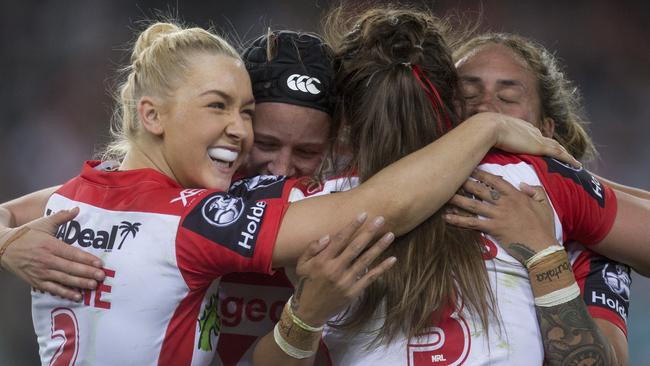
x,y
164,249
250,303
584,211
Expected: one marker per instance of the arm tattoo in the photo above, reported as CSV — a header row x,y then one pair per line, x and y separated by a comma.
x,y
571,337
521,252
295,303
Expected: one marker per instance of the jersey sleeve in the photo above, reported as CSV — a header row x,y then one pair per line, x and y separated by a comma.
x,y
604,286
586,206
234,231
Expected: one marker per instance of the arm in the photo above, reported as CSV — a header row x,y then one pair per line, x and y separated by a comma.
x,y
569,333
44,262
337,269
636,192
629,239
413,188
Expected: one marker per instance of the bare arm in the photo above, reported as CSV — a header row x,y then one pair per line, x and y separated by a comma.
x,y
413,188
37,257
629,239
636,192
524,227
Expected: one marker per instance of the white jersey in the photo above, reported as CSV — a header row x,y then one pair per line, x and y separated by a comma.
x,y
164,249
584,210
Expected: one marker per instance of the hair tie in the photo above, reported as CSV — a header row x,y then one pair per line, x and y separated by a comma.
x,y
434,97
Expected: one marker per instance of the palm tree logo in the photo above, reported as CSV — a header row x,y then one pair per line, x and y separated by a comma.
x,y
127,228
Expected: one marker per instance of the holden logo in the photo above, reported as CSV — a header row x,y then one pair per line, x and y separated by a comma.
x,y
618,280
303,83
222,210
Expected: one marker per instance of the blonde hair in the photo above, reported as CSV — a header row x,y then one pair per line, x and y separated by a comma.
x,y
560,98
158,62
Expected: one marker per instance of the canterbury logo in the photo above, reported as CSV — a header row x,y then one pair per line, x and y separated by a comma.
x,y
303,83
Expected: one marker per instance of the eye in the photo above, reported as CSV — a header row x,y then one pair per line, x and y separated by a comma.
x,y
308,154
507,100
265,145
217,105
249,112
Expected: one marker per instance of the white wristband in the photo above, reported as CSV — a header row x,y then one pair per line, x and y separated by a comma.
x,y
558,297
541,254
289,349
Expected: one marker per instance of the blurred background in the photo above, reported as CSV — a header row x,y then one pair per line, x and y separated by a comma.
x,y
59,59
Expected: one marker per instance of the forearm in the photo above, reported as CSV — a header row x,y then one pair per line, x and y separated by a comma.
x,y
636,192
570,335
405,193
26,208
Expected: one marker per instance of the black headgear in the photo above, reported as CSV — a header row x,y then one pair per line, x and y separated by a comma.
x,y
300,71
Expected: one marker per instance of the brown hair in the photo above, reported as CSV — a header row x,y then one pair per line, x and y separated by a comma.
x,y
560,99
389,115
159,61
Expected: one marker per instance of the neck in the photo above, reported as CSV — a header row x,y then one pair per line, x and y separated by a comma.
x,y
141,157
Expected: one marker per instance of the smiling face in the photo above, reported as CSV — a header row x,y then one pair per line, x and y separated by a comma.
x,y
289,139
494,79
207,122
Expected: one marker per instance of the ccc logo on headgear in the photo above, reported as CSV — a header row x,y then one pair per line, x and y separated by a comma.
x,y
303,83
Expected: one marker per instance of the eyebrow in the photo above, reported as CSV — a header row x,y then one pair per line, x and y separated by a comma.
x,y
500,82
225,96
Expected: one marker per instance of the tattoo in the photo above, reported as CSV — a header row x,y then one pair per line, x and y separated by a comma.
x,y
571,337
520,251
494,194
295,303
553,273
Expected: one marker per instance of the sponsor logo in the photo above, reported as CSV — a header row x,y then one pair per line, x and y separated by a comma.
x,y
447,344
185,194
249,234
222,210
72,232
617,279
598,297
303,83
209,324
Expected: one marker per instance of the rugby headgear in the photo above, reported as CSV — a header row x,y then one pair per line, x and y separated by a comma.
x,y
299,72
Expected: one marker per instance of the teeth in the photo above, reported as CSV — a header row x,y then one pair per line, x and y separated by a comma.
x,y
222,154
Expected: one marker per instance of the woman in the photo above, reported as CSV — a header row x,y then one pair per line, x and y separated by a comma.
x,y
395,80
185,113
516,76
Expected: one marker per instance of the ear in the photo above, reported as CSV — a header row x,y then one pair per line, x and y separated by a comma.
x,y
547,127
149,114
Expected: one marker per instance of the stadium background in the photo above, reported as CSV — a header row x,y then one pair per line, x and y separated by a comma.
x,y
58,59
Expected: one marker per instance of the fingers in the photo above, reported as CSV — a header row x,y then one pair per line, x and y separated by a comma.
x,y
468,222
535,192
51,223
494,181
360,265
77,255
473,206
313,249
78,275
372,275
62,291
555,150
360,241
342,238
68,280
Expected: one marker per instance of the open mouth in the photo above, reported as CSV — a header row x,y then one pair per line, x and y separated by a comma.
x,y
223,157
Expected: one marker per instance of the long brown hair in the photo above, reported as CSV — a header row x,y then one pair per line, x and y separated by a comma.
x,y
560,99
389,115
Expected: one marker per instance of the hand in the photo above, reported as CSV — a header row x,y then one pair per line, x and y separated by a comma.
x,y
521,221
49,264
334,271
520,137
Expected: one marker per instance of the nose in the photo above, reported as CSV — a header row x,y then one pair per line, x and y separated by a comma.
x,y
282,164
485,104
238,128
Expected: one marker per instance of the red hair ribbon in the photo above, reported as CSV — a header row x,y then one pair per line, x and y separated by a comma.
x,y
434,97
